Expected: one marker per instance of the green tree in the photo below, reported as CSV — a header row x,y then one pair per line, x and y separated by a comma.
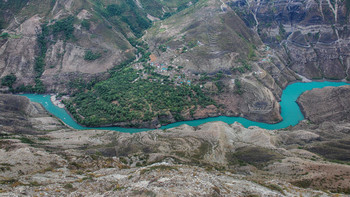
x,y
85,24
8,80
5,35
90,56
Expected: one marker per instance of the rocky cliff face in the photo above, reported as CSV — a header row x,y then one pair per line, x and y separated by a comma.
x,y
19,115
326,104
212,159
313,35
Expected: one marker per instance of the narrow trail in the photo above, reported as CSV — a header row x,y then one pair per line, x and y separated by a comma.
x,y
334,9
254,14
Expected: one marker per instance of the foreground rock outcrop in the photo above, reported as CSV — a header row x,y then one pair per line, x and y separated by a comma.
x,y
213,159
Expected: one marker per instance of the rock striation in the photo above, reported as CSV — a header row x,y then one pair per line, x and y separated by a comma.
x,y
312,35
327,104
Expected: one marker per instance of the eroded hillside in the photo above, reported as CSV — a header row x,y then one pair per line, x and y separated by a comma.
x,y
215,158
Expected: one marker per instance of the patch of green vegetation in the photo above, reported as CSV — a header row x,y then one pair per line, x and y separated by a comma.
x,y
160,168
39,87
15,36
44,139
305,183
143,193
34,184
63,28
125,97
244,68
5,167
153,7
14,5
341,190
256,156
39,66
202,150
85,24
272,187
125,11
281,30
220,85
192,44
251,53
26,140
9,80
156,7
68,186
162,47
91,56
142,49
337,150
246,65
8,181
123,160
5,35
238,87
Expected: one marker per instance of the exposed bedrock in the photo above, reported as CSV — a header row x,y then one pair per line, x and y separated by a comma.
x,y
64,57
19,115
327,104
313,34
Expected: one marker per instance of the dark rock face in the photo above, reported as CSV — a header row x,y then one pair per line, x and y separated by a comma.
x,y
13,115
327,104
20,116
313,34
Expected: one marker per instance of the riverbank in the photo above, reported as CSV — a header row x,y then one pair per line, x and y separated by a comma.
x,y
288,107
59,102
205,158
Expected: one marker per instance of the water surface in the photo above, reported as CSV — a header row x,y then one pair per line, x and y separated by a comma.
x,y
290,110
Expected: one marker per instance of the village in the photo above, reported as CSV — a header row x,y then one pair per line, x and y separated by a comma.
x,y
171,71
180,76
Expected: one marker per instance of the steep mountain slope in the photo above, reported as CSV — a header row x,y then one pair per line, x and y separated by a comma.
x,y
58,57
215,49
81,39
313,34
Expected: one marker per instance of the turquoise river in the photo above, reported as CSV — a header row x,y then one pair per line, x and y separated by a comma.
x,y
290,110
